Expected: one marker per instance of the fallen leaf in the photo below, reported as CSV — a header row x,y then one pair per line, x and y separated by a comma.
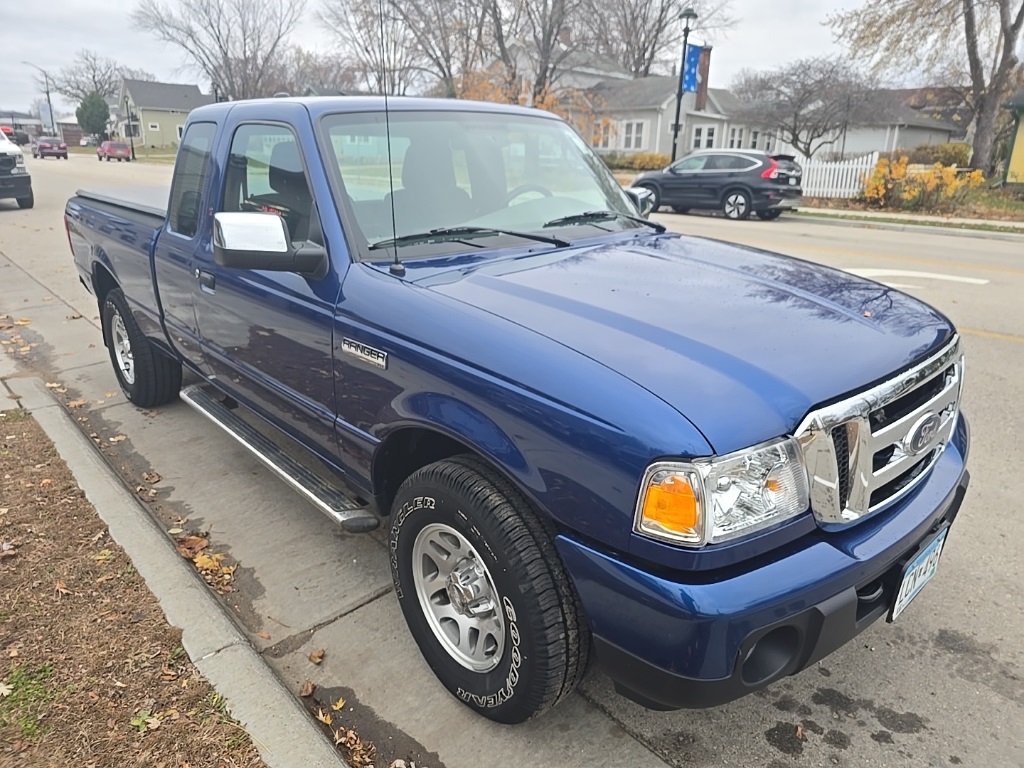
x,y
5,690
53,385
45,482
800,733
61,588
103,556
47,298
175,531
118,438
307,689
205,562
151,477
119,684
317,656
74,316
23,321
336,706
25,349
263,635
190,546
77,403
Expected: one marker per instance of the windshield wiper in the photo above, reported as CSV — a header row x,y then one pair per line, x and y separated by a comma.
x,y
464,233
588,217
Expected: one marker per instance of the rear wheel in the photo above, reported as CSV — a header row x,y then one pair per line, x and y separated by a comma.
x,y
98,157
484,592
147,378
680,209
769,215
736,205
27,202
108,158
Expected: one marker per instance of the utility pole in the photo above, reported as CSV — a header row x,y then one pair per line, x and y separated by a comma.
x,y
688,15
128,125
49,104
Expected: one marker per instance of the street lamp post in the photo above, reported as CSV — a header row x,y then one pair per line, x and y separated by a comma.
x,y
128,125
688,16
49,104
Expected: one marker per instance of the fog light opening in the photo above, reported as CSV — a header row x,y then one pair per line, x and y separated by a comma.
x,y
770,655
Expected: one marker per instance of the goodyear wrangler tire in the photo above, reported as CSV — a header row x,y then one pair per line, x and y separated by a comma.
x,y
484,592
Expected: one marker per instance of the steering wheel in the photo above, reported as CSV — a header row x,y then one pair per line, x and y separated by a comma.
x,y
522,189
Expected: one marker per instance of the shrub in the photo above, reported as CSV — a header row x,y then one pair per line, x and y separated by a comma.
x,y
938,188
955,153
641,161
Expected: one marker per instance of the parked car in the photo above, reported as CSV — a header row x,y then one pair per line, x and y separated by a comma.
x,y
114,150
15,181
50,146
88,141
736,182
704,466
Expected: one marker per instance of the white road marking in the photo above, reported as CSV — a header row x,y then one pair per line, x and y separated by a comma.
x,y
882,273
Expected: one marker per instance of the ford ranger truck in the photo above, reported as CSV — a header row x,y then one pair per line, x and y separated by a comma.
x,y
700,465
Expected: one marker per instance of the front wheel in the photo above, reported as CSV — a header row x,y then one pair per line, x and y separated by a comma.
x,y
147,378
483,591
769,215
736,205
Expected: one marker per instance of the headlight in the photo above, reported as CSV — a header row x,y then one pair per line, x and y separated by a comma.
x,y
709,501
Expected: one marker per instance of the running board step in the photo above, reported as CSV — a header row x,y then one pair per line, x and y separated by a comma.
x,y
350,514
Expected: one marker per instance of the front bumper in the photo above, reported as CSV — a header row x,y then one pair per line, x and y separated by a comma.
x,y
15,186
671,645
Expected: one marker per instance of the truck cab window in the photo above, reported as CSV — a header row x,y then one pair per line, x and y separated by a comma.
x,y
187,184
265,173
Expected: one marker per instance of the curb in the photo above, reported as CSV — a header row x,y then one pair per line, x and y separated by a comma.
x,y
982,234
279,726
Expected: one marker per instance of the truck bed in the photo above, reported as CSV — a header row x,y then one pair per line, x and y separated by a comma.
x,y
148,200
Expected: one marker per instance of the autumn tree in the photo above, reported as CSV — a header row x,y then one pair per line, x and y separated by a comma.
x,y
296,68
93,114
232,42
380,44
93,73
641,34
953,42
807,102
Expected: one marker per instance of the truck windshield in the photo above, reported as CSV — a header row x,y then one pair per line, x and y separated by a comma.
x,y
452,170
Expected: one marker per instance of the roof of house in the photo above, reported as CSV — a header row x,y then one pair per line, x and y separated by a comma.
x,y
940,108
727,102
319,90
1016,101
579,59
170,96
642,93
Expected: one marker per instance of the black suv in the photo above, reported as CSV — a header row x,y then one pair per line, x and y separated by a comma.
x,y
736,182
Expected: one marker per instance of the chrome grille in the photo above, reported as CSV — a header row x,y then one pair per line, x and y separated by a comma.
x,y
867,451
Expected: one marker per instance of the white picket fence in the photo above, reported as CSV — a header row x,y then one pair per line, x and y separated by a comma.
x,y
841,178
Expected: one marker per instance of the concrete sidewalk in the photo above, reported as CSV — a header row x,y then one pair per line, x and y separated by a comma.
x,y
916,218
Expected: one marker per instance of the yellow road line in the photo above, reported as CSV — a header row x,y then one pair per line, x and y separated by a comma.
x,y
992,335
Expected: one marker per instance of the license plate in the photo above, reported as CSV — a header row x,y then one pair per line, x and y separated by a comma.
x,y
918,573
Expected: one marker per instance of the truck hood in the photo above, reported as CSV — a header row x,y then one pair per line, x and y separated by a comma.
x,y
741,342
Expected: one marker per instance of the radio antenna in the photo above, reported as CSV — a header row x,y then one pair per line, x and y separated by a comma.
x,y
397,267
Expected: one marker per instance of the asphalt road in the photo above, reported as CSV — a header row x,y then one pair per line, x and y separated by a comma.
x,y
942,686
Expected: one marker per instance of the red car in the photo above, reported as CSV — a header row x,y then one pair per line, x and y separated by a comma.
x,y
114,149
50,146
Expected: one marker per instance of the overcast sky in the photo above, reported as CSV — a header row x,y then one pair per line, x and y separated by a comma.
x,y
48,35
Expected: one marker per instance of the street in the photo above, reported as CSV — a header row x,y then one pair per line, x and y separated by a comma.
x,y
941,686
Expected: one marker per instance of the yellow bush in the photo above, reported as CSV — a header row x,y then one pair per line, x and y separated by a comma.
x,y
895,185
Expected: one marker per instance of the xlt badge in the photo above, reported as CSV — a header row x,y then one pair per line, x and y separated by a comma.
x,y
366,353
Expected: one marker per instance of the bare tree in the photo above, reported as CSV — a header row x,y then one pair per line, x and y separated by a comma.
x,y
391,64
232,42
642,34
450,34
295,68
808,102
956,41
547,29
93,73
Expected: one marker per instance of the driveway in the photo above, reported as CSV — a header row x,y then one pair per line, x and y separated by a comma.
x,y
942,686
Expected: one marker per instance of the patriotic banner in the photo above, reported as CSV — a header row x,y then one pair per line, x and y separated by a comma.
x,y
691,66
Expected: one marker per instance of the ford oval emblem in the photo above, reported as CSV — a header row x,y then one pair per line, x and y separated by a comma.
x,y
922,434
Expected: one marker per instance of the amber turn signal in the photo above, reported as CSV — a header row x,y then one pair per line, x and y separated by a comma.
x,y
671,506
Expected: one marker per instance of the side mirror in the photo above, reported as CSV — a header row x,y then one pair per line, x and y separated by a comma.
x,y
643,199
255,240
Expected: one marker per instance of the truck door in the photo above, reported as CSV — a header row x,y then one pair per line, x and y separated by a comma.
x,y
267,336
174,257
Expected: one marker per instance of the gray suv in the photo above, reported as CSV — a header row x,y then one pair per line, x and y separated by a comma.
x,y
736,182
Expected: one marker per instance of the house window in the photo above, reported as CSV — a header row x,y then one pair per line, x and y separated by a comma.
x,y
153,127
131,129
735,138
633,135
181,129
753,139
703,136
603,135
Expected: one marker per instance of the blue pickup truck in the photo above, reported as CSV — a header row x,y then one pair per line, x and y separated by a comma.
x,y
701,465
